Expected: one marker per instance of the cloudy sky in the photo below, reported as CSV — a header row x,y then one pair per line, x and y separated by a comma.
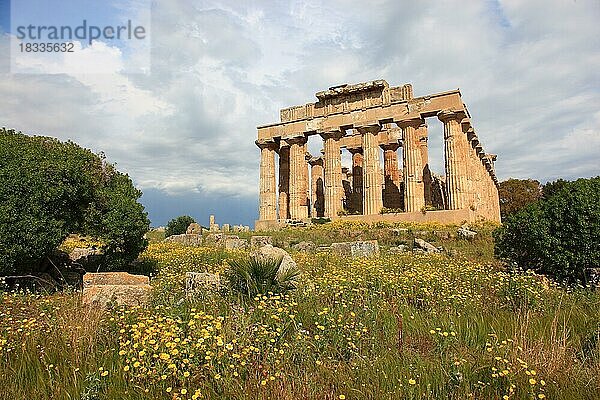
x,y
180,116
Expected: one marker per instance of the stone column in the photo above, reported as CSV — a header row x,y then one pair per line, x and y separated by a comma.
x,y
391,191
317,187
455,151
423,139
373,201
414,193
267,189
298,175
284,180
333,172
357,180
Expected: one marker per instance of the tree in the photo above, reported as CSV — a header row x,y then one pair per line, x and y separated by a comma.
x,y
515,194
179,225
558,236
49,189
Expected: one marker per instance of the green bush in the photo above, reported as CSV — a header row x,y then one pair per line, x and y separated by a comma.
x,y
179,225
558,236
49,189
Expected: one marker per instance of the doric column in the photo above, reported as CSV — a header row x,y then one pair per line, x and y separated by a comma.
x,y
357,179
455,152
284,180
423,139
372,176
414,193
317,187
333,172
391,190
298,176
268,197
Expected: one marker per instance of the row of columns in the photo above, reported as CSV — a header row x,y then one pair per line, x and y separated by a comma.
x,y
468,182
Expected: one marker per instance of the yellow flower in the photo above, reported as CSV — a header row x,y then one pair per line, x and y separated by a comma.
x,y
183,391
412,382
341,397
532,381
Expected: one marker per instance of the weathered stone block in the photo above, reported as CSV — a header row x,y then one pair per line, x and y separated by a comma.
x,y
196,282
113,278
185,239
270,252
232,243
100,289
466,233
368,248
259,241
425,246
194,229
214,239
305,246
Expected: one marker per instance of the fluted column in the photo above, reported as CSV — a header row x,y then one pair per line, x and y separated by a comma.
x,y
268,197
455,149
333,172
317,187
357,180
298,172
414,193
391,191
372,181
284,180
423,140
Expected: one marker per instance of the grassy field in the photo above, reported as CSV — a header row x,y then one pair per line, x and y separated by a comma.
x,y
392,327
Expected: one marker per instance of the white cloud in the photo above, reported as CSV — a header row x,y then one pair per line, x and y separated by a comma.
x,y
527,70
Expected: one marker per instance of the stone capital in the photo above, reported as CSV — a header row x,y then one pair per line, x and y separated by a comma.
x,y
393,145
297,139
266,144
354,150
332,134
316,161
369,128
413,122
450,114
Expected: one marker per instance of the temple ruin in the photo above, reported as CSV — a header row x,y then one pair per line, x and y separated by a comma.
x,y
372,121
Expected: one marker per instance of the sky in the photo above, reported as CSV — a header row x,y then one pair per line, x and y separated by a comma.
x,y
179,114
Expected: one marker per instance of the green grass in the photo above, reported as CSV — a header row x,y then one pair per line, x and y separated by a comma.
x,y
361,329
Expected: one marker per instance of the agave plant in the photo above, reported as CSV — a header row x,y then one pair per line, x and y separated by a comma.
x,y
257,275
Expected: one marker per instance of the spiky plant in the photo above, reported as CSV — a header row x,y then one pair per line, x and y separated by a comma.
x,y
257,276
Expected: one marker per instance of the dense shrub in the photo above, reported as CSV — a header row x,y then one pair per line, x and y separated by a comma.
x,y
515,194
49,189
179,225
558,236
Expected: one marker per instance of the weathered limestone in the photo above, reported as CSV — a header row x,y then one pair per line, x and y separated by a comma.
x,y
455,147
414,191
298,178
368,248
373,201
197,283
368,110
333,173
101,289
357,180
284,180
260,241
185,239
317,187
268,197
391,191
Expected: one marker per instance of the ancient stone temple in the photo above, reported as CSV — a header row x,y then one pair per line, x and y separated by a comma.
x,y
373,122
